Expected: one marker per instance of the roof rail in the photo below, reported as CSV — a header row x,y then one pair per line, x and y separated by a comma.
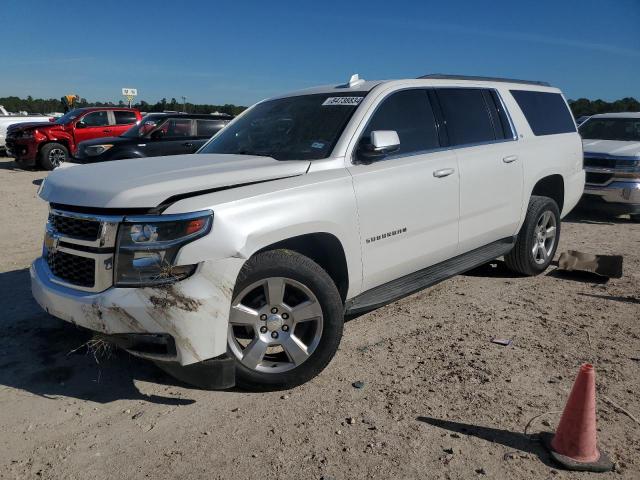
x,y
442,76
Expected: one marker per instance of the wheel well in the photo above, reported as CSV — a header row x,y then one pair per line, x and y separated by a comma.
x,y
324,249
552,187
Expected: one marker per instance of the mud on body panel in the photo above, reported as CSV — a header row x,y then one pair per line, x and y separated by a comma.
x,y
194,311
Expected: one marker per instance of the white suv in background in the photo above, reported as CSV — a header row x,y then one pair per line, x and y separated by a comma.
x,y
238,263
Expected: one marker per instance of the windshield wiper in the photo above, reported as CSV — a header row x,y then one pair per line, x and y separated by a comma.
x,y
257,154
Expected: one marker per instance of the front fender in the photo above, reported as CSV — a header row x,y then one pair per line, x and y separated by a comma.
x,y
260,218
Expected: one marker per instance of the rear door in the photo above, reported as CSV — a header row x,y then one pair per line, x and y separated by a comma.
x,y
407,201
174,136
491,173
93,125
123,120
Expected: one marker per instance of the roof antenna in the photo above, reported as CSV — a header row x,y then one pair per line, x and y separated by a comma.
x,y
354,81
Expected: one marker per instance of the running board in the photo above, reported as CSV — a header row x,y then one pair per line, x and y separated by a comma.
x,y
403,286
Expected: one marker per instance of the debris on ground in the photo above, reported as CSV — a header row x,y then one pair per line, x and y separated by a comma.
x,y
98,347
505,342
358,384
609,266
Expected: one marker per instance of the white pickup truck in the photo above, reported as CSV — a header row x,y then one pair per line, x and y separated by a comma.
x,y
7,119
611,143
237,264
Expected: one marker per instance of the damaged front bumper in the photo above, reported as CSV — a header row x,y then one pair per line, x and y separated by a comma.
x,y
183,323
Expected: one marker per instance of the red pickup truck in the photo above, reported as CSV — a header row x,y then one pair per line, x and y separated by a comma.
x,y
49,144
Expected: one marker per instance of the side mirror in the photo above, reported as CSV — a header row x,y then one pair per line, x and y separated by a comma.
x,y
382,143
81,124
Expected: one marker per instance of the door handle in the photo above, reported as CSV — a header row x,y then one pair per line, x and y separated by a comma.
x,y
106,130
187,144
510,159
444,172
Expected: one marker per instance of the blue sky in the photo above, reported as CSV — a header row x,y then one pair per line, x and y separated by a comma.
x,y
242,51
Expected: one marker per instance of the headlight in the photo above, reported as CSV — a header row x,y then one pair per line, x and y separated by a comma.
x,y
148,245
29,134
94,150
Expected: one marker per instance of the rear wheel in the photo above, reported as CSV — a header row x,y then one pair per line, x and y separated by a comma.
x,y
52,155
538,238
285,322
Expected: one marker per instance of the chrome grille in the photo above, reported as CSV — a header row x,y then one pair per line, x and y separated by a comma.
x,y
598,178
75,227
79,249
599,162
76,270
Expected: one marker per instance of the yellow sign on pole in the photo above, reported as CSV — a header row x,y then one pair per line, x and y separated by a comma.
x,y
71,99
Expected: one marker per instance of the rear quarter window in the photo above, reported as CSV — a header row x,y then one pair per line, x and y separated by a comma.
x,y
546,112
124,117
208,128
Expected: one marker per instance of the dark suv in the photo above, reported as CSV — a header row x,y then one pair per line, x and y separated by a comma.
x,y
157,134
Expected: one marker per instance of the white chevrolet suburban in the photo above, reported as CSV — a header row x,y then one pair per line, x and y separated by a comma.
x,y
238,264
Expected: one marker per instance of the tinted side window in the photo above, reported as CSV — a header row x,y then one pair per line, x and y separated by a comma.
x,y
208,128
96,119
125,118
466,115
178,127
546,112
409,113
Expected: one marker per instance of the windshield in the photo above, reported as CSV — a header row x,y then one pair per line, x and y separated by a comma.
x,y
69,116
305,127
623,129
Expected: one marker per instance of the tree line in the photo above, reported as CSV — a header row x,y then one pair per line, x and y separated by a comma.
x,y
580,107
40,105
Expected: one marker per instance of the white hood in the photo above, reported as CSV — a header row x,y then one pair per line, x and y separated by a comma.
x,y
147,182
612,147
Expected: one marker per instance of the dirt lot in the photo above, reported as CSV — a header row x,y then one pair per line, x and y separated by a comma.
x,y
439,399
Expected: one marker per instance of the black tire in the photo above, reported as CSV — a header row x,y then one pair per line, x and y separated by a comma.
x,y
521,258
291,265
52,155
635,217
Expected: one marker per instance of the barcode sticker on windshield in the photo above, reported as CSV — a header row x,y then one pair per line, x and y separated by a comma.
x,y
342,101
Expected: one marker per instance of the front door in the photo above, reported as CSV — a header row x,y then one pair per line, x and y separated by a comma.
x,y
93,125
174,136
407,201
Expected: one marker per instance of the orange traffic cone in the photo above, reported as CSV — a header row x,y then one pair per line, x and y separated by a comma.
x,y
574,445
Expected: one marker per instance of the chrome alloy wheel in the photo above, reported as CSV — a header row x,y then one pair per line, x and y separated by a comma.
x,y
544,237
56,157
275,324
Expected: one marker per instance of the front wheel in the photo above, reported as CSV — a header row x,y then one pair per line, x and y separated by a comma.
x,y
286,321
52,155
538,238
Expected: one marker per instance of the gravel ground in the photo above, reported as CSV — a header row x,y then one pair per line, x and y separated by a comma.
x,y
439,399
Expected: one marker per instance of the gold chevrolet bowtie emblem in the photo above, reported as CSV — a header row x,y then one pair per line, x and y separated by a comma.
x,y
51,242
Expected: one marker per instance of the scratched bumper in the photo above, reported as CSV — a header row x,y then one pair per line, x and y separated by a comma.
x,y
194,312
